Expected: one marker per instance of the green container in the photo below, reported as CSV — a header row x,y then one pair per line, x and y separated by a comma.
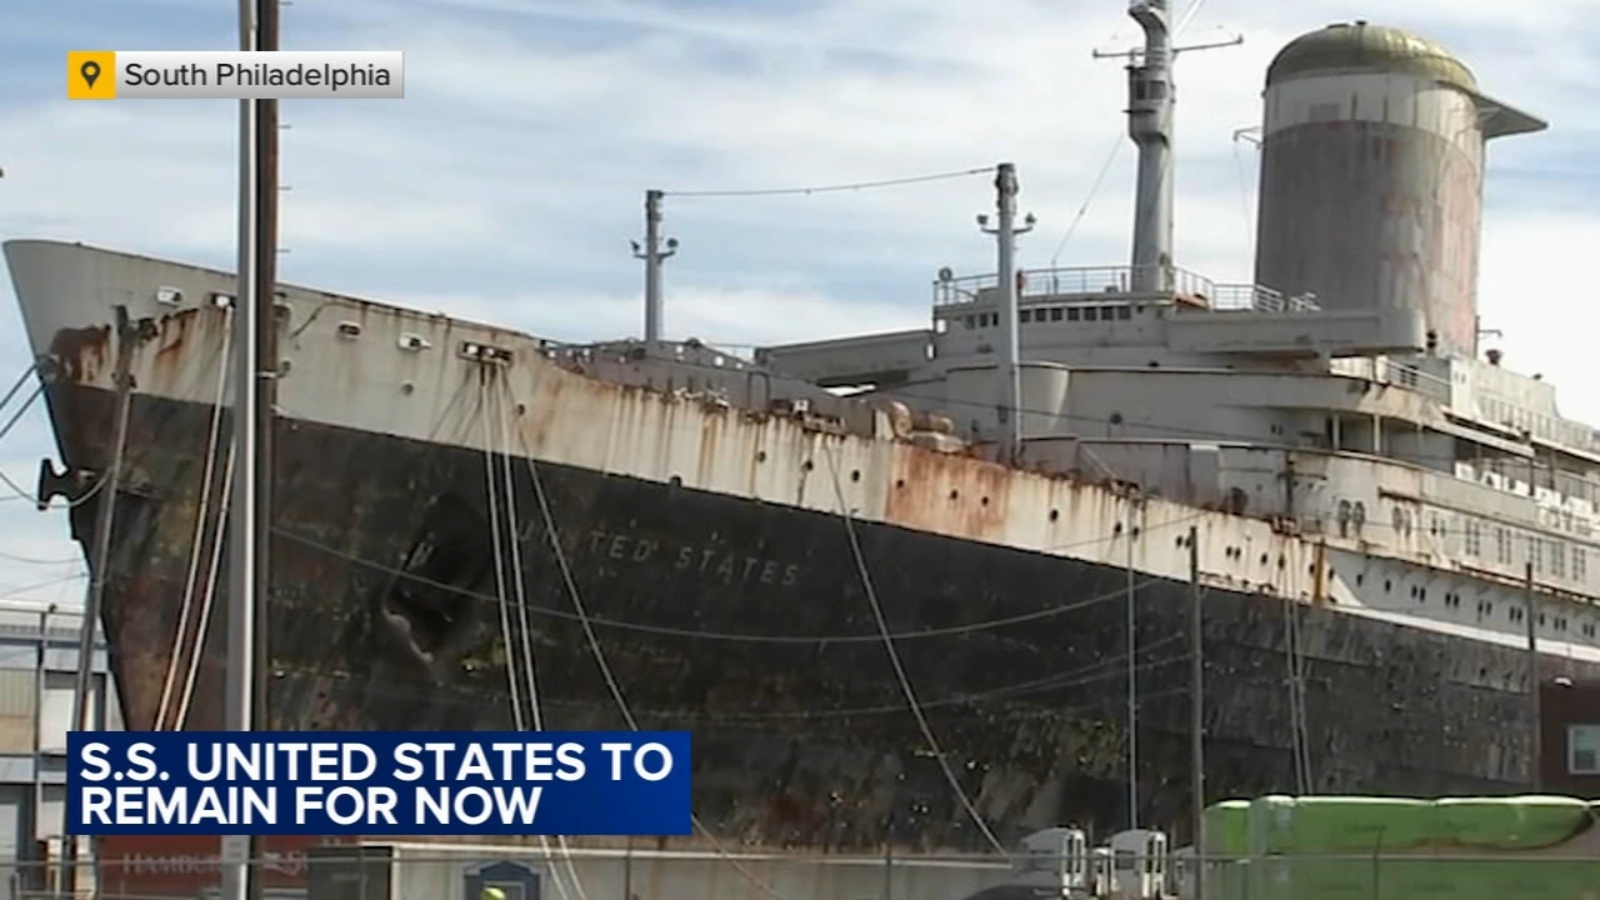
x,y
1227,829
1511,823
1227,841
1344,848
1340,825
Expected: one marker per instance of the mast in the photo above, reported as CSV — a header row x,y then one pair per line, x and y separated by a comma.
x,y
1006,232
1150,125
1150,103
255,342
653,257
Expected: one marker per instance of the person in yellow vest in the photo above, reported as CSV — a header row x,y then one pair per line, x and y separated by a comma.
x,y
492,893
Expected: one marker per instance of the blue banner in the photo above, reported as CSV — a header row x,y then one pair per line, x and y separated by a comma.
x,y
379,783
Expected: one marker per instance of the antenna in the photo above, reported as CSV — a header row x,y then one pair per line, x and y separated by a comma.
x,y
1005,232
653,257
1150,102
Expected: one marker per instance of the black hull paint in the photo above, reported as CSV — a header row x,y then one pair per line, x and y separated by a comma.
x,y
800,742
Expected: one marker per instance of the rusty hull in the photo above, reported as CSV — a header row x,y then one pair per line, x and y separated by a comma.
x,y
706,543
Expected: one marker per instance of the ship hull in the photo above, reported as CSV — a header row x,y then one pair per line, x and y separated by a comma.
x,y
752,624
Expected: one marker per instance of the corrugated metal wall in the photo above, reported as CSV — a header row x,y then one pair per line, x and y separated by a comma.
x,y
18,696
21,700
56,719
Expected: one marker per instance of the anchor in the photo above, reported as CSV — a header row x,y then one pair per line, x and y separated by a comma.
x,y
70,483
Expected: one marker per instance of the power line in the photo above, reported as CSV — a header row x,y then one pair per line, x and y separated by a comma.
x,y
833,188
699,634
888,392
1094,189
1118,143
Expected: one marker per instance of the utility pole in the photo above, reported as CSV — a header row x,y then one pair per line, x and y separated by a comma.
x,y
1006,232
1150,105
28,845
1197,714
1129,529
256,370
653,257
100,561
1536,713
265,385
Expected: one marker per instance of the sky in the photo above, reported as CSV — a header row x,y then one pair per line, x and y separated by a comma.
x,y
507,185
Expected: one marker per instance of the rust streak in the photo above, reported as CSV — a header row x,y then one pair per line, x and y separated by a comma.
x,y
84,353
947,494
172,336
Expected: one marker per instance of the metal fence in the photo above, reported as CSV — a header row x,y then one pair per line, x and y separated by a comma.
x,y
521,872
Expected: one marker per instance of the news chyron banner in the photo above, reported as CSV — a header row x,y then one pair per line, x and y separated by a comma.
x,y
378,783
235,75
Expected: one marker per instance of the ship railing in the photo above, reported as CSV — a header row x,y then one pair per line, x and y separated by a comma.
x,y
1396,372
1096,281
1084,281
1502,410
690,351
1255,298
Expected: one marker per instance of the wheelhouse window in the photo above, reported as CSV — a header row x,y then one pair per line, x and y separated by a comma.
x,y
1583,749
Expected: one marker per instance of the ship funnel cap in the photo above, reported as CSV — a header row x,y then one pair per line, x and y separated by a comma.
x,y
1361,47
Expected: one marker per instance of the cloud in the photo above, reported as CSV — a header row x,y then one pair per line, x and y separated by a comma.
x,y
507,184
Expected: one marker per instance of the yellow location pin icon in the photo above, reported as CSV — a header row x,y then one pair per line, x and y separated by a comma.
x,y
91,75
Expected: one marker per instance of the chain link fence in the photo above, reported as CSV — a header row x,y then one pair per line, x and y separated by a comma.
x,y
496,872
467,872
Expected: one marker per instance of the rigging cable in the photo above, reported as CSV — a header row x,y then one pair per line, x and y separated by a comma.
x,y
100,557
605,667
12,592
1176,431
208,602
1300,741
987,716
6,479
1105,168
833,188
502,407
899,667
486,405
945,631
35,561
213,568
1116,148
1244,195
183,644
27,370
12,423
17,417
499,567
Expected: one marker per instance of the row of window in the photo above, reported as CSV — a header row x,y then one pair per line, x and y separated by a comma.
x,y
1549,556
1565,519
1077,313
1518,613
1560,431
1046,314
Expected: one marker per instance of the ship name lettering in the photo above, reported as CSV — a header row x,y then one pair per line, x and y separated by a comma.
x,y
623,547
728,566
